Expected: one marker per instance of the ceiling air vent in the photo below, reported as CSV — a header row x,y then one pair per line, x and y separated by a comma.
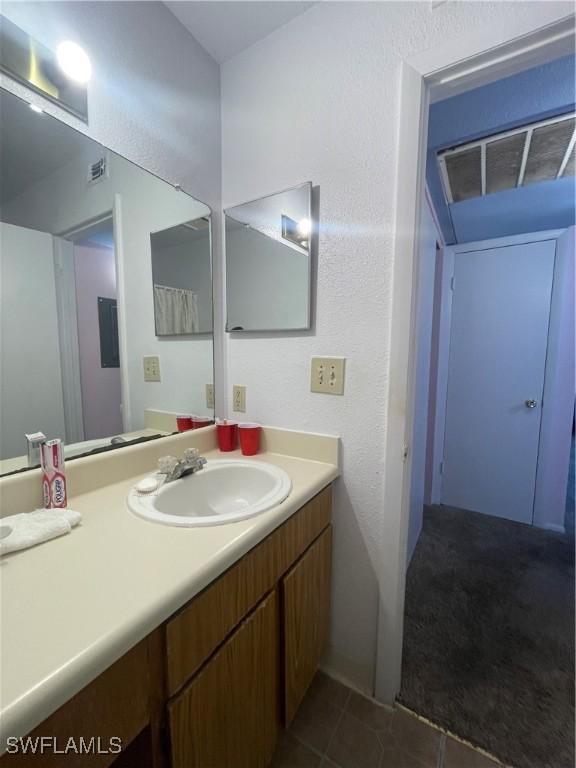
x,y
97,171
538,152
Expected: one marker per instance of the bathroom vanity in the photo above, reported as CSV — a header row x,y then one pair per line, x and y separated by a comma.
x,y
214,680
128,642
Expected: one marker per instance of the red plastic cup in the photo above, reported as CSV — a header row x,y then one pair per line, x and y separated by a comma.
x,y
227,436
201,421
249,438
184,423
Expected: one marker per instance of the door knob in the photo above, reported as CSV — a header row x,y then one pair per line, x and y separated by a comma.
x,y
530,403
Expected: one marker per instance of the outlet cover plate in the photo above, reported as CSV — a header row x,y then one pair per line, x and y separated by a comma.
x,y
151,368
239,398
327,375
210,396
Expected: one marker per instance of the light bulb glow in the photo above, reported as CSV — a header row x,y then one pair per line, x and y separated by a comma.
x,y
304,227
36,109
74,62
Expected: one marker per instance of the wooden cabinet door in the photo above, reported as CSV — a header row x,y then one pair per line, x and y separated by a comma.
x,y
306,608
228,715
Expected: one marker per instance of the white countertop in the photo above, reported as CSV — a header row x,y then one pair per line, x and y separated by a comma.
x,y
74,605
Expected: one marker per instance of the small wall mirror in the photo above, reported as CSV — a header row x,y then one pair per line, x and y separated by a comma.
x,y
268,262
182,278
87,241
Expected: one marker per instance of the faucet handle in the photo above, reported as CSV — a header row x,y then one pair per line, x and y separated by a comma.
x,y
190,454
167,464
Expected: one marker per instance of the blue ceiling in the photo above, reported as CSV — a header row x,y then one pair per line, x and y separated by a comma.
x,y
536,94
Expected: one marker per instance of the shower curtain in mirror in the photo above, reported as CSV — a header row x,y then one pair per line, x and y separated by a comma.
x,y
175,310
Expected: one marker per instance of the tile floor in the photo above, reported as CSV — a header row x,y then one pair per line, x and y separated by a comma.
x,y
336,727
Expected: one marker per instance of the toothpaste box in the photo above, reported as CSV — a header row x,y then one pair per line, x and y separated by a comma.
x,y
53,474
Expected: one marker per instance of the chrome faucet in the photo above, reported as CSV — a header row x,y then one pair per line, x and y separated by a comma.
x,y
175,468
35,440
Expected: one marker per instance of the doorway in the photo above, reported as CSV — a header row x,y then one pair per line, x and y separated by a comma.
x,y
489,609
501,298
89,334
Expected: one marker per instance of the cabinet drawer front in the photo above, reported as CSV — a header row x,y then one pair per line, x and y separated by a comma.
x,y
227,717
195,633
115,704
306,607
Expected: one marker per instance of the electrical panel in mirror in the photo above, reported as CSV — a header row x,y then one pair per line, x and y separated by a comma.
x,y
88,239
268,262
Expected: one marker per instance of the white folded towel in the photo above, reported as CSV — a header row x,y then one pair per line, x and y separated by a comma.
x,y
29,528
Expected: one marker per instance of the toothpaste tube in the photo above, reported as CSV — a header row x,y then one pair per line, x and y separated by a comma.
x,y
53,474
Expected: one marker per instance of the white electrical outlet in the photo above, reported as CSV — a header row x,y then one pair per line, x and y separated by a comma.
x,y
210,396
327,375
151,368
239,398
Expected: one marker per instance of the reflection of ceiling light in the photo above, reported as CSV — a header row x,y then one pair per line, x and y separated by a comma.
x,y
74,62
296,232
303,228
34,108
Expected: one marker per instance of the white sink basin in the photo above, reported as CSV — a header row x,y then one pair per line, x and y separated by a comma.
x,y
223,492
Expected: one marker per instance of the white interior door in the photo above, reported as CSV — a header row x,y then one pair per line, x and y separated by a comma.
x,y
68,335
500,315
31,394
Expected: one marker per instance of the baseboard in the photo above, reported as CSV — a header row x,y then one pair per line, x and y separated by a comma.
x,y
344,669
552,527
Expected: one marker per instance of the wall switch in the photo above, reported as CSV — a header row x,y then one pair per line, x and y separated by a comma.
x,y
327,375
151,368
210,396
239,398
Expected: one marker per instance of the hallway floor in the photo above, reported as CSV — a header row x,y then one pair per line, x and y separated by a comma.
x,y
489,636
336,727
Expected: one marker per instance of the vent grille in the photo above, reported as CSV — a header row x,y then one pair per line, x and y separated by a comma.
x,y
463,172
570,169
503,162
97,170
538,152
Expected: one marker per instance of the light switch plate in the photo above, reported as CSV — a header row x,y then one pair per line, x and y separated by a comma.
x,y
239,398
151,368
327,375
210,396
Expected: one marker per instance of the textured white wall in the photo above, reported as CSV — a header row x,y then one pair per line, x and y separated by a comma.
x,y
319,100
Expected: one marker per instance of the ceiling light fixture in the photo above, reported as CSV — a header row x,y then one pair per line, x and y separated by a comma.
x,y
74,62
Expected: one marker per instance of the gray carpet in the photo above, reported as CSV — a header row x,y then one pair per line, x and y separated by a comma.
x,y
489,636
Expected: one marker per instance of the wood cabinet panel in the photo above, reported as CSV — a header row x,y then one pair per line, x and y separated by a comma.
x,y
306,618
194,633
115,704
222,653
228,715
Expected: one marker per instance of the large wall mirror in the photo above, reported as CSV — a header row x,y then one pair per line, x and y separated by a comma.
x,y
268,262
103,265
